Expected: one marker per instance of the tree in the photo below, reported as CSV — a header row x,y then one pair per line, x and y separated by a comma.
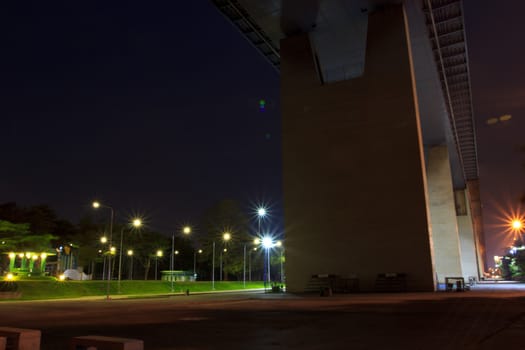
x,y
145,245
18,238
226,216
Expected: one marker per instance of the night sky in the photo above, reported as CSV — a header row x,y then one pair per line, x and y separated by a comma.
x,y
155,110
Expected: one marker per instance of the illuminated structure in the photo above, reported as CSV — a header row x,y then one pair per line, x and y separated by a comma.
x,y
28,263
379,153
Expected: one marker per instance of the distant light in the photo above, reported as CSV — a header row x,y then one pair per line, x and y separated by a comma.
x,y
176,252
96,204
28,255
100,250
43,255
225,250
186,230
34,257
103,239
200,251
256,241
12,255
9,277
62,277
517,224
112,249
255,248
130,252
505,117
278,244
262,105
261,212
159,253
137,222
267,242
226,236
21,255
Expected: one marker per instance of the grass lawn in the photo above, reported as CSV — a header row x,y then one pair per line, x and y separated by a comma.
x,y
53,289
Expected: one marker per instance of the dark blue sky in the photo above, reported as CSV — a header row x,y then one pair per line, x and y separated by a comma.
x,y
154,109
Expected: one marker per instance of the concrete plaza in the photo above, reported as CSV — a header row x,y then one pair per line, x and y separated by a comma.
x,y
483,318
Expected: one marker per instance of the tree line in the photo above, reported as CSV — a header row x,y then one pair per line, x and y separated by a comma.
x,y
39,229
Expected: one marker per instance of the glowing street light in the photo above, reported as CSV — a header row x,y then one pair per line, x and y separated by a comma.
x,y
130,254
226,236
158,255
97,205
186,230
517,224
135,224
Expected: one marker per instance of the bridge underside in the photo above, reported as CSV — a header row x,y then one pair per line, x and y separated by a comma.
x,y
377,179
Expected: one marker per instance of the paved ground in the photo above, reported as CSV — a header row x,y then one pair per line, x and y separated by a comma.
x,y
485,318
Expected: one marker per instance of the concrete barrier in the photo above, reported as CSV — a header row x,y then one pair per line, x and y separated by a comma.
x,y
21,338
98,342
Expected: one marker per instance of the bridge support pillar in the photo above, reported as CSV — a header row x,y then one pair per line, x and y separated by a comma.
x,y
355,191
445,235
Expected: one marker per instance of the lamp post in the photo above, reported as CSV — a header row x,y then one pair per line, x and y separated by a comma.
x,y
104,240
157,256
226,237
185,230
136,223
195,262
97,205
130,254
213,268
267,243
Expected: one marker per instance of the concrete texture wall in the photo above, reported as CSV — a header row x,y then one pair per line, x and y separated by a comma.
x,y
475,211
467,245
355,196
445,234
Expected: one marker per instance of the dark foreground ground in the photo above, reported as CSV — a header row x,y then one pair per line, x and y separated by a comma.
x,y
485,318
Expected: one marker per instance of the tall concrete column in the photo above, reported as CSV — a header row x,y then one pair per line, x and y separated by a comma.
x,y
475,210
355,196
445,234
467,243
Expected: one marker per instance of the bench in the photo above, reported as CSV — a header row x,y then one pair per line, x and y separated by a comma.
x,y
98,342
21,338
459,282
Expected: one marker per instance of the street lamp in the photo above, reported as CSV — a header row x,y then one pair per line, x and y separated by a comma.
x,y
97,205
261,214
195,262
136,223
267,243
157,256
185,230
130,254
517,226
104,240
226,237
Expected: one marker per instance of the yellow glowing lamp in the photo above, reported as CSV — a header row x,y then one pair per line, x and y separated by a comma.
x,y
137,222
21,255
517,224
227,236
43,255
12,255
62,277
9,277
186,230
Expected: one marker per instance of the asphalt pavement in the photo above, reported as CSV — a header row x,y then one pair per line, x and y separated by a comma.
x,y
486,317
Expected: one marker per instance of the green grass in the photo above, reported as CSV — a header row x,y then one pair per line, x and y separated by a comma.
x,y
53,289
